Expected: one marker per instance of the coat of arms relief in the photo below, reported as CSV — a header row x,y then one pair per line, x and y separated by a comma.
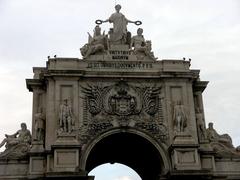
x,y
122,105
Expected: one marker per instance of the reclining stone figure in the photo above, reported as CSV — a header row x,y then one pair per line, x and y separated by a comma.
x,y
21,136
213,136
18,144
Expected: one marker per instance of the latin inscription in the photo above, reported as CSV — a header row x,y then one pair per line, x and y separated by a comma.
x,y
121,55
119,65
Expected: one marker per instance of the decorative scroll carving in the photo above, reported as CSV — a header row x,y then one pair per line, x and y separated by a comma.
x,y
98,126
151,99
122,100
94,96
92,129
159,131
122,105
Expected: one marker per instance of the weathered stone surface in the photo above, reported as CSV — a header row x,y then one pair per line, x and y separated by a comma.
x,y
17,145
120,104
13,169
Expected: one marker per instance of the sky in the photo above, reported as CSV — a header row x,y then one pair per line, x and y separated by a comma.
x,y
206,31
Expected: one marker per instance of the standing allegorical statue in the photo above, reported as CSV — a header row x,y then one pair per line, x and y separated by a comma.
x,y
39,126
179,117
119,34
201,124
66,120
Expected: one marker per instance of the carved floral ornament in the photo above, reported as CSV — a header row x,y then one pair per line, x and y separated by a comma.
x,y
122,105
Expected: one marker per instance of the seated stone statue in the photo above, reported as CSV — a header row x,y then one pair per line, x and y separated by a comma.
x,y
148,51
97,43
141,46
138,41
213,136
22,136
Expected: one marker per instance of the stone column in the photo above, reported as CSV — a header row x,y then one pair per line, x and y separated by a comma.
x,y
37,92
50,114
198,100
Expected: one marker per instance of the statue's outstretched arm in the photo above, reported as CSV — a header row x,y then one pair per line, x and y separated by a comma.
x,y
13,135
98,21
129,21
107,20
135,22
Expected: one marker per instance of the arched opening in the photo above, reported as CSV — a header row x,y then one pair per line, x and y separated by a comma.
x,y
129,149
114,171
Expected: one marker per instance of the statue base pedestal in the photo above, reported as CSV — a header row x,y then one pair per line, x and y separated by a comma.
x,y
117,47
185,152
37,147
67,139
65,157
37,160
183,139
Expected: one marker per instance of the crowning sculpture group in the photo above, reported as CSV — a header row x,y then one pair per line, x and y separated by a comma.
x,y
118,35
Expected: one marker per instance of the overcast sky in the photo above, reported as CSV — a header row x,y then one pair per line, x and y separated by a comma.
x,y
206,31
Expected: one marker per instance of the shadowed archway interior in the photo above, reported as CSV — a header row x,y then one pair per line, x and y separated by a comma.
x,y
129,149
114,171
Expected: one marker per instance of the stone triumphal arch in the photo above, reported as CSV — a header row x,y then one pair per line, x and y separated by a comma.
x,y
118,104
130,147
